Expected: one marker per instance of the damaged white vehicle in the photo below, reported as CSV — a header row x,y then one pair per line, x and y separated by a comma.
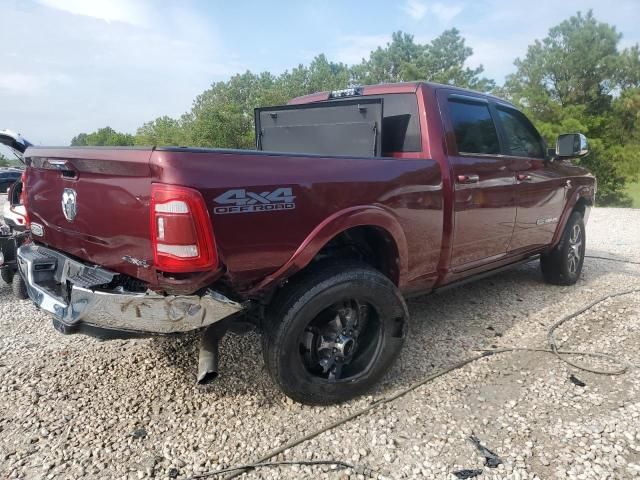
x,y
13,212
14,225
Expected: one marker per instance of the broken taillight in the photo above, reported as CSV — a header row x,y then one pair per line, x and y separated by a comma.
x,y
181,231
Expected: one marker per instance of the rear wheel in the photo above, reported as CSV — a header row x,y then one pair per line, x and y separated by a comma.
x,y
334,332
6,274
19,287
563,265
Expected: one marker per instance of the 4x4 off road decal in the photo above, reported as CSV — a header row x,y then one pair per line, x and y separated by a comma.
x,y
240,200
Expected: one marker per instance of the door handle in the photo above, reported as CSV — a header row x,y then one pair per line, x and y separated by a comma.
x,y
468,178
523,177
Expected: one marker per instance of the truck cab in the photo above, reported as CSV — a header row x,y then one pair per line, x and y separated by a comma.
x,y
505,194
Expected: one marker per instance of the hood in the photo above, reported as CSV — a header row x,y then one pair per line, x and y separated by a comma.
x,y
15,142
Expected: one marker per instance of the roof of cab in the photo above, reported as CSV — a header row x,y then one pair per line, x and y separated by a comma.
x,y
386,88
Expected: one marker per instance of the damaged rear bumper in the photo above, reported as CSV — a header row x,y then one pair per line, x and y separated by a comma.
x,y
70,291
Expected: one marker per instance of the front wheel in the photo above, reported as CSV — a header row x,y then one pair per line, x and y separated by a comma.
x,y
563,264
333,333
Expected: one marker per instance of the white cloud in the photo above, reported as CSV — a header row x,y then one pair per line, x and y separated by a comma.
x,y
15,83
445,13
134,13
351,49
415,9
495,56
84,72
442,12
499,31
18,83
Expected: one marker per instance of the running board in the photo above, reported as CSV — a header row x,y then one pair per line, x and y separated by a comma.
x,y
481,275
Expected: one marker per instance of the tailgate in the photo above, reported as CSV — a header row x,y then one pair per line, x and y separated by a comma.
x,y
93,203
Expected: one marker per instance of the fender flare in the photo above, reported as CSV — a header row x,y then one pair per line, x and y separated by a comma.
x,y
358,216
582,192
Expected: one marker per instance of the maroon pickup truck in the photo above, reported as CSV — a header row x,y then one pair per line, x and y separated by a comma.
x,y
352,200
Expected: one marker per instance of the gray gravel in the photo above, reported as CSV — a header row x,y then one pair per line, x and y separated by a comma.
x,y
75,407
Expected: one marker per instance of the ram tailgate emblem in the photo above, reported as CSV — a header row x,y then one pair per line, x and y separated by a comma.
x,y
239,200
69,207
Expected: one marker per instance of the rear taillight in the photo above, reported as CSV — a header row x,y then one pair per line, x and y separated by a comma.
x,y
181,231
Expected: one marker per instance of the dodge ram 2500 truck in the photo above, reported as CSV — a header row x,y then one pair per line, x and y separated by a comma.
x,y
352,200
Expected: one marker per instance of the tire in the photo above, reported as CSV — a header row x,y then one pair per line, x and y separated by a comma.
x,y
563,264
366,318
7,275
19,287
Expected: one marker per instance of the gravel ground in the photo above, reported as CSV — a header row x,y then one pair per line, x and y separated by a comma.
x,y
75,407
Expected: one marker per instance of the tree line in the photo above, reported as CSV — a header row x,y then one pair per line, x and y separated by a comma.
x,y
575,79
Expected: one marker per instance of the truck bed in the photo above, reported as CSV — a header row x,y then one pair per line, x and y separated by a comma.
x,y
263,206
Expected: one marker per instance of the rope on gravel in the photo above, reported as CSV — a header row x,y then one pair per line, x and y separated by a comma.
x,y
620,260
553,348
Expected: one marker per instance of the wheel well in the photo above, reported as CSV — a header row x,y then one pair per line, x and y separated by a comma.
x,y
372,245
581,205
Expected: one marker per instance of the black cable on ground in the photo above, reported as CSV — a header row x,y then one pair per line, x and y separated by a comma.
x,y
553,348
253,466
551,339
350,417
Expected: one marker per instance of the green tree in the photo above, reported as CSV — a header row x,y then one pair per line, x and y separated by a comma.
x,y
395,62
106,136
577,79
443,60
79,140
222,115
161,131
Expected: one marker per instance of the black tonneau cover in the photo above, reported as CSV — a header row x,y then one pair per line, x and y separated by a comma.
x,y
343,127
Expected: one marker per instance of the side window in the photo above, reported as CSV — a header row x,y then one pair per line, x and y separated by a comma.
x,y
400,123
522,139
473,127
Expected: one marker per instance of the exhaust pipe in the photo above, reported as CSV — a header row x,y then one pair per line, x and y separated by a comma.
x,y
208,356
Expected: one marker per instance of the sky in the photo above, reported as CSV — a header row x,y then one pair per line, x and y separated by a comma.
x,y
71,66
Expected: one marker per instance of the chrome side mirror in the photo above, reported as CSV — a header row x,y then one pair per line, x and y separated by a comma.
x,y
572,145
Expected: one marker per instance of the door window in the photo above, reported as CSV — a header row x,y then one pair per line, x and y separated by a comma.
x,y
521,137
473,126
